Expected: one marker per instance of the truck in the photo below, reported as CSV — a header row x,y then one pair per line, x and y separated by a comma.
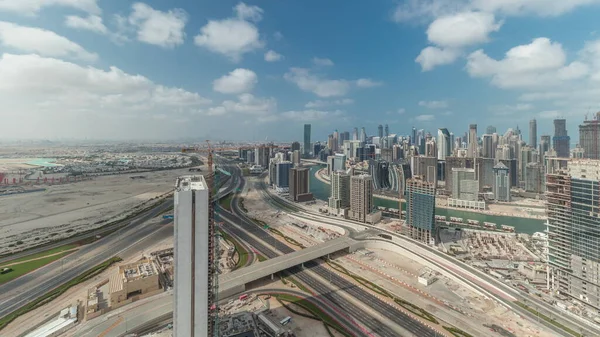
x,y
285,320
169,216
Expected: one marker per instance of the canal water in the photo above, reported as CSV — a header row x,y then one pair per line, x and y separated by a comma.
x,y
322,191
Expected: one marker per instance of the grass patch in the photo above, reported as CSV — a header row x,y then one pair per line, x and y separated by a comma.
x,y
23,268
245,171
242,253
548,319
41,254
315,311
286,238
261,258
241,202
57,291
457,332
225,203
299,285
381,291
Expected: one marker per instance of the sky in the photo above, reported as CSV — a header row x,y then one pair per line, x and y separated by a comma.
x,y
260,69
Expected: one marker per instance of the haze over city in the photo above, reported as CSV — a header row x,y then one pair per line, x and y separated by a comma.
x,y
233,71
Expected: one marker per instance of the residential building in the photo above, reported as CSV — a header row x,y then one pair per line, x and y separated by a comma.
x,y
299,185
420,209
282,180
465,189
443,144
490,129
380,131
296,157
452,163
533,133
487,149
426,167
339,162
340,191
501,182
573,209
295,146
473,146
306,140
195,248
589,137
361,199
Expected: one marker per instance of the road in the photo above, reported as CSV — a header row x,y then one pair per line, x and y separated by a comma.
x,y
476,278
240,225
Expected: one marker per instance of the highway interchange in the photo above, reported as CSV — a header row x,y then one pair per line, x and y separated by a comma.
x,y
332,290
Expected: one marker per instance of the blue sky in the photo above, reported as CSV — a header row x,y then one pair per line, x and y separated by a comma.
x,y
235,70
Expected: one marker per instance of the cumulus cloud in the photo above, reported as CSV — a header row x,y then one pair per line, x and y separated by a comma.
x,y
232,37
164,29
272,56
462,29
322,104
540,63
91,22
311,115
48,91
425,118
316,84
431,57
325,62
367,83
236,82
41,41
32,7
434,104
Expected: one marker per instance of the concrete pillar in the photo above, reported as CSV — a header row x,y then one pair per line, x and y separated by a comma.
x,y
272,276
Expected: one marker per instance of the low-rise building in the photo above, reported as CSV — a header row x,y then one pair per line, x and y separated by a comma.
x,y
132,282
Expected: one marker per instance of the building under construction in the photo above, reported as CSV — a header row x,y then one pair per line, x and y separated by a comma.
x,y
420,209
589,138
573,208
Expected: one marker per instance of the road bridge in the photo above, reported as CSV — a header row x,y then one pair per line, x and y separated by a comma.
x,y
314,161
236,281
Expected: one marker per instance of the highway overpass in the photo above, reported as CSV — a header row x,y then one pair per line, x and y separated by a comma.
x,y
236,281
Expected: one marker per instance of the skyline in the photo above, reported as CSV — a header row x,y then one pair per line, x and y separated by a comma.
x,y
149,70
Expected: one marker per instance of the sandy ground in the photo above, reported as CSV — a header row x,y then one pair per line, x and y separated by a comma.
x,y
76,207
79,292
446,299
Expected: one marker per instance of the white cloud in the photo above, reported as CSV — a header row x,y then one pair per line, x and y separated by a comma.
x,y
540,63
317,85
277,36
434,104
41,41
311,115
322,61
249,13
231,37
272,56
425,118
462,29
321,103
32,7
164,29
424,10
549,114
401,111
91,22
431,57
447,113
250,105
367,83
236,82
46,92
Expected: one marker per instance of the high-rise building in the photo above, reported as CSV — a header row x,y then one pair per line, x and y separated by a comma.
x,y
339,162
355,134
195,272
296,157
574,230
420,209
525,157
299,186
589,137
295,146
340,190
386,130
282,179
330,165
413,139
487,148
535,182
452,145
306,140
490,130
501,188
361,197
472,149
443,144
397,152
455,162
533,133
380,131
431,148
561,142
262,156
363,135
336,139
465,185
426,167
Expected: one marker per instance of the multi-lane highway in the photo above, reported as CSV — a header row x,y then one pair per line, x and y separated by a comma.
x,y
339,289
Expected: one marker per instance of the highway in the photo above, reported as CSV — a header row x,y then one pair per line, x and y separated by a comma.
x,y
476,278
240,225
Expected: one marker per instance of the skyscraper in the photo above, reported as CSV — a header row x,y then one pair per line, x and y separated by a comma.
x,y
472,149
306,140
295,146
420,209
533,133
488,146
386,130
361,197
363,135
355,134
413,139
501,188
194,254
490,129
299,184
443,143
561,141
340,190
282,176
336,137
380,131
589,137
574,230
